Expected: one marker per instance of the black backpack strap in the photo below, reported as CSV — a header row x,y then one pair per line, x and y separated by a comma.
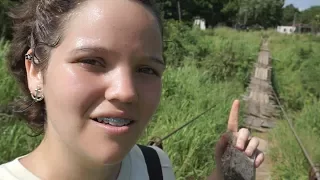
x,y
153,162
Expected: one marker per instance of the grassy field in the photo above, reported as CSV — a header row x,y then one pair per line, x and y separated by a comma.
x,y
210,68
296,72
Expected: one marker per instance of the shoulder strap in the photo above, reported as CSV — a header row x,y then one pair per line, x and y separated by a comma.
x,y
153,162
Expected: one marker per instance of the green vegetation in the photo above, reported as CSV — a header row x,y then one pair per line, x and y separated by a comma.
x,y
296,73
8,86
13,134
256,13
213,68
267,13
309,16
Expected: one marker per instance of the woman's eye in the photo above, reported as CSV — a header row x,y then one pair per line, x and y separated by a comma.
x,y
93,62
148,70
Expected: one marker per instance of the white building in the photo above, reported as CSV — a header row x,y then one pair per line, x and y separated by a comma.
x,y
286,29
200,23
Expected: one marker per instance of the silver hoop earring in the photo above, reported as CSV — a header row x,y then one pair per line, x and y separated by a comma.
x,y
37,97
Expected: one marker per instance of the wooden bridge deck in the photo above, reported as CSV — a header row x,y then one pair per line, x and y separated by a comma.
x,y
261,109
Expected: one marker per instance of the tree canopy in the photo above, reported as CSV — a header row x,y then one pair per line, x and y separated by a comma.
x,y
265,13
289,14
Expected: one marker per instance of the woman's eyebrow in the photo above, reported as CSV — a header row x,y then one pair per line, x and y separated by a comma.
x,y
156,60
105,50
89,49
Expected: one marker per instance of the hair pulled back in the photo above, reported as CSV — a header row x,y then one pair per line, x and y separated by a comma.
x,y
38,25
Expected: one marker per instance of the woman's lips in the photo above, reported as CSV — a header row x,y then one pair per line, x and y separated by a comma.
x,y
114,130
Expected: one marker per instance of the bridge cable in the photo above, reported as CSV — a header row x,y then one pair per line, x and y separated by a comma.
x,y
297,137
185,125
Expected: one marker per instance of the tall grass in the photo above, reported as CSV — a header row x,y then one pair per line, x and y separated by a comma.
x,y
8,86
191,149
204,69
297,70
13,134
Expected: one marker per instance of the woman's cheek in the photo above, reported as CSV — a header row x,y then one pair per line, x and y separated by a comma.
x,y
150,93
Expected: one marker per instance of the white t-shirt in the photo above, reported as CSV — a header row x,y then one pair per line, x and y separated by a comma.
x,y
133,167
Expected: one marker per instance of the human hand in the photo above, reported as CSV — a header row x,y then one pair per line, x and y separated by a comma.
x,y
244,142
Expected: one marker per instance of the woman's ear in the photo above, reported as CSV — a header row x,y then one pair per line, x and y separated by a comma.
x,y
34,74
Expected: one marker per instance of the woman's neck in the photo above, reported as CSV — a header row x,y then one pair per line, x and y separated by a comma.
x,y
53,160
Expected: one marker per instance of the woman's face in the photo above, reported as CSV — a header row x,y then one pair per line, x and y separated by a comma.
x,y
108,67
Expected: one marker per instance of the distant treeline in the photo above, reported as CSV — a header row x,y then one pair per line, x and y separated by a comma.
x,y
266,13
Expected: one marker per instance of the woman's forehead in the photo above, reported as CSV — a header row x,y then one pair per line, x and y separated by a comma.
x,y
113,23
115,13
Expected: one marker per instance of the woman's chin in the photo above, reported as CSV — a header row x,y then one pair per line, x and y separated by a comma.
x,y
106,150
108,156
113,158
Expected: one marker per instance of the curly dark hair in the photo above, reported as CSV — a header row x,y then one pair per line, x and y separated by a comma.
x,y
37,25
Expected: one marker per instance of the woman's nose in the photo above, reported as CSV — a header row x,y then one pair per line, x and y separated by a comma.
x,y
122,87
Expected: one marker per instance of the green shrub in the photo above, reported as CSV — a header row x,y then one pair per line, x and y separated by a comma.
x,y
296,74
8,86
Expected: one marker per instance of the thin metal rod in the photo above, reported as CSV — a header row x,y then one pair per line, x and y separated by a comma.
x,y
186,124
297,137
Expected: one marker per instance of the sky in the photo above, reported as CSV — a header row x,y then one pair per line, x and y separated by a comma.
x,y
303,4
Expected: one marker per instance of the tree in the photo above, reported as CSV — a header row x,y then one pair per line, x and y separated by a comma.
x,y
290,13
5,23
311,16
266,13
316,23
213,11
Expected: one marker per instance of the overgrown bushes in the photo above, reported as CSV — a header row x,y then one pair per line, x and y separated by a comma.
x,y
297,71
223,54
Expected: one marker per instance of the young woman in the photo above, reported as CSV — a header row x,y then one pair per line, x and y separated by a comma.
x,y
91,71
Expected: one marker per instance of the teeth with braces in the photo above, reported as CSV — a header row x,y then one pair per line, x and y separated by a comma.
x,y
114,121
